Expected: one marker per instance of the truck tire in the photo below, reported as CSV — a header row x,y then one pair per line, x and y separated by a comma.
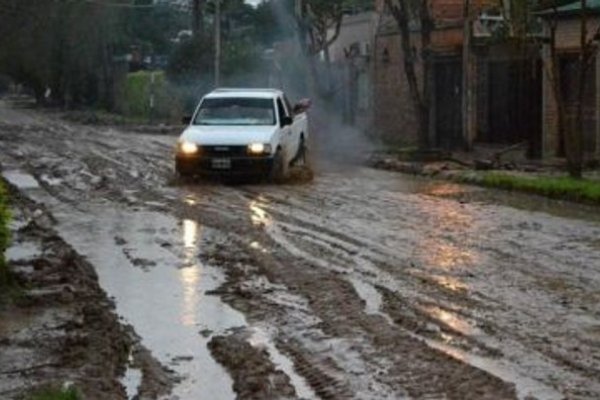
x,y
279,169
303,153
301,157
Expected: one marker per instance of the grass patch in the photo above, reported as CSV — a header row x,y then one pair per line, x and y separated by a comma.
x,y
581,190
55,394
137,92
4,235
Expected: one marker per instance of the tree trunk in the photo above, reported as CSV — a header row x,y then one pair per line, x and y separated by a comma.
x,y
420,94
427,26
197,17
303,34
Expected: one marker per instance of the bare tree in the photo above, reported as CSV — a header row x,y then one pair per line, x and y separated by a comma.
x,y
405,12
198,17
319,23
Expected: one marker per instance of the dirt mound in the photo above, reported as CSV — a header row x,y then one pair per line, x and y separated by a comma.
x,y
254,375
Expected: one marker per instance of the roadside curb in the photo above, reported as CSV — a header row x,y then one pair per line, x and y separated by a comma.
x,y
494,179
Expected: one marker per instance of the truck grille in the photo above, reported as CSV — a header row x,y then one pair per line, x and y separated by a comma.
x,y
224,151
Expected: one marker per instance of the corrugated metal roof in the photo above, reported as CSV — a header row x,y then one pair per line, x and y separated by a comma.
x,y
573,8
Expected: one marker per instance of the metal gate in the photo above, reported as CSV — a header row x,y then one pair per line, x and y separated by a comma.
x,y
448,104
514,104
569,79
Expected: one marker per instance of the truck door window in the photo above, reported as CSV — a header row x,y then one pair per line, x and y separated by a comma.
x,y
281,110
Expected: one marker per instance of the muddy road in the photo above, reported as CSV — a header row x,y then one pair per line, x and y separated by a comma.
x,y
360,284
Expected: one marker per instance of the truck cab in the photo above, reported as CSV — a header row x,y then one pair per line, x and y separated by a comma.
x,y
243,132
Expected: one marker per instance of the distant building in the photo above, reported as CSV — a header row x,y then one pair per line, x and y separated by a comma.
x,y
351,56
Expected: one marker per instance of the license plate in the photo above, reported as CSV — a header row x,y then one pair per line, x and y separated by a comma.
x,y
221,163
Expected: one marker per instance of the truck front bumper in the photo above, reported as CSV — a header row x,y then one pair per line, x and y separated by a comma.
x,y
223,166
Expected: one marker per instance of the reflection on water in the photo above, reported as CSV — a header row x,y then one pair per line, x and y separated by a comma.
x,y
451,283
447,255
190,201
258,215
438,251
190,274
451,320
443,189
259,247
190,234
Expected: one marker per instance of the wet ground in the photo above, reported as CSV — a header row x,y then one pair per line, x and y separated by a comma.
x,y
360,284
57,327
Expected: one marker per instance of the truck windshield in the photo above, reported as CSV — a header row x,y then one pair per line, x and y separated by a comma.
x,y
236,111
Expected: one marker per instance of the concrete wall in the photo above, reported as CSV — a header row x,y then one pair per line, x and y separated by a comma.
x,y
359,28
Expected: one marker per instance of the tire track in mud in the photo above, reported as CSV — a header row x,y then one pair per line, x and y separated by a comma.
x,y
434,261
243,209
525,341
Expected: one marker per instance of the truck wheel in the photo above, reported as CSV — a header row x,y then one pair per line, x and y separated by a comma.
x,y
279,169
182,175
301,157
303,153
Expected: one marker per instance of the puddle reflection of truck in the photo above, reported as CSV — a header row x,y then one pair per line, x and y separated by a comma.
x,y
243,132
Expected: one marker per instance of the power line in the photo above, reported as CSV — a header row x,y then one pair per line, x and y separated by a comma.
x,y
119,5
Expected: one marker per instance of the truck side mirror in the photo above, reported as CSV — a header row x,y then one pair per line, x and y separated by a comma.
x,y
186,119
285,121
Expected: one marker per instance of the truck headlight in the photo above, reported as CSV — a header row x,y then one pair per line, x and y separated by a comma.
x,y
188,148
259,148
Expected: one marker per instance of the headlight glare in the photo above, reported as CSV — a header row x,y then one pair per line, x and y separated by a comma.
x,y
259,148
188,147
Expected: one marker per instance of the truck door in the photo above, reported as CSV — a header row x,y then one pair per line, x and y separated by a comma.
x,y
297,126
287,133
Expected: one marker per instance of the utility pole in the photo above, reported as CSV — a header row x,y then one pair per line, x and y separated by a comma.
x,y
217,43
298,8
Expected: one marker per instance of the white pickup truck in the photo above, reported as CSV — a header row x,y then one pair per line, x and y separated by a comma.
x,y
243,132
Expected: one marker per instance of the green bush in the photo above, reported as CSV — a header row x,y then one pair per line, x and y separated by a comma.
x,y
55,394
137,93
4,233
582,190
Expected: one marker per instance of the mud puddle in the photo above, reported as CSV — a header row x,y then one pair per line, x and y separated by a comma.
x,y
131,379
20,179
149,263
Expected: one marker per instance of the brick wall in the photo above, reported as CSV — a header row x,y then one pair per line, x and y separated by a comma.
x,y
394,113
569,30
